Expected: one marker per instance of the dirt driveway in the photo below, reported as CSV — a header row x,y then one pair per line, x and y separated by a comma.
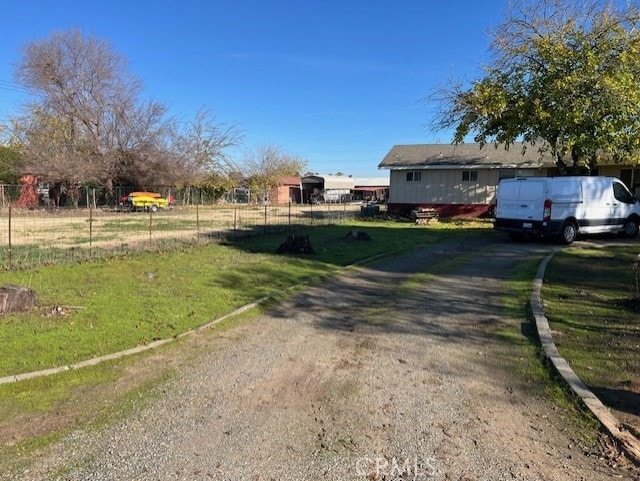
x,y
361,378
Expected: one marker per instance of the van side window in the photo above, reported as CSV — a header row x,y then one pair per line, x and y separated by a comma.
x,y
622,194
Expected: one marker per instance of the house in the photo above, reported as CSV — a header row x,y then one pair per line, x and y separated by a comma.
x,y
326,188
461,180
629,174
456,180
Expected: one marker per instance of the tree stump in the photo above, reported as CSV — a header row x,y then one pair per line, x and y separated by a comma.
x,y
358,235
296,244
16,298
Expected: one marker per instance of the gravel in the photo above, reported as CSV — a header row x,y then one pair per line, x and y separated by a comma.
x,y
355,379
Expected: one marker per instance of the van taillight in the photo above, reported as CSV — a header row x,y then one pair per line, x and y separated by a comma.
x,y
546,214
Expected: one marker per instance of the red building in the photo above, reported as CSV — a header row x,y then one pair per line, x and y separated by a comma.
x,y
288,190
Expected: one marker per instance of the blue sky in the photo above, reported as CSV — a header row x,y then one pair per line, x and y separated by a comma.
x,y
336,82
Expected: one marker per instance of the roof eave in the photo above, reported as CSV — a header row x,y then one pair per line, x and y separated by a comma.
x,y
464,167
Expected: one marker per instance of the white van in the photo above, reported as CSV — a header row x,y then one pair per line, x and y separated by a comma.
x,y
565,207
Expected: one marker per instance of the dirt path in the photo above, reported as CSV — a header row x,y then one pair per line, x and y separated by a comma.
x,y
349,381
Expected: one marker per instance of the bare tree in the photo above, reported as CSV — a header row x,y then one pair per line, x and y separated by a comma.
x,y
87,103
139,151
267,164
200,150
201,146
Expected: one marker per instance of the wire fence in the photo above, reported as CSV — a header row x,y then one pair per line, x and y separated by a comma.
x,y
46,235
37,195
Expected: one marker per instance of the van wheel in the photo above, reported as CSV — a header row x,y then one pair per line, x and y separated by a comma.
x,y
568,232
154,208
630,228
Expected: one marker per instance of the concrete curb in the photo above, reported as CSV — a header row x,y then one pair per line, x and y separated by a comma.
x,y
625,439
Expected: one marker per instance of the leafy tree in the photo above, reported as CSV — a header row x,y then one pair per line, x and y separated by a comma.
x,y
266,165
215,186
565,76
10,162
10,159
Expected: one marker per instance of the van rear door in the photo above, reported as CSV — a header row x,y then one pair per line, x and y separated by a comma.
x,y
521,199
531,200
520,207
508,198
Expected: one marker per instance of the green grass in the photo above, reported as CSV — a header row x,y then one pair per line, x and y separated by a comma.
x,y
113,304
33,256
94,308
586,293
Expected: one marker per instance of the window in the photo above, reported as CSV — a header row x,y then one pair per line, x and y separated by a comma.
x,y
622,194
414,176
506,174
469,176
631,178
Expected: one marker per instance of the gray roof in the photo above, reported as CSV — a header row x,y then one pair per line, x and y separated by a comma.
x,y
462,156
372,181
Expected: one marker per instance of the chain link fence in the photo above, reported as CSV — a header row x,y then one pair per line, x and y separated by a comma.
x,y
46,234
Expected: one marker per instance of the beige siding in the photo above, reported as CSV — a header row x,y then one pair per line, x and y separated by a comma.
x,y
442,187
610,170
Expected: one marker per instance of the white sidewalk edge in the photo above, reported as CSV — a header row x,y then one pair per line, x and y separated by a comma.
x,y
127,352
625,439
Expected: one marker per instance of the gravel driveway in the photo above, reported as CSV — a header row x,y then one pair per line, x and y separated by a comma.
x,y
354,379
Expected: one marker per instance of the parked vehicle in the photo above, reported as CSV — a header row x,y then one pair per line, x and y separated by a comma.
x,y
146,201
565,207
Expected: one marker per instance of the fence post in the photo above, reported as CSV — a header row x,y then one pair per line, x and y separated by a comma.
x,y
198,223
150,227
235,216
265,218
311,213
289,217
9,236
90,231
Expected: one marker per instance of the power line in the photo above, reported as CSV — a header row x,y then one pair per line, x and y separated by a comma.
x,y
339,151
10,86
